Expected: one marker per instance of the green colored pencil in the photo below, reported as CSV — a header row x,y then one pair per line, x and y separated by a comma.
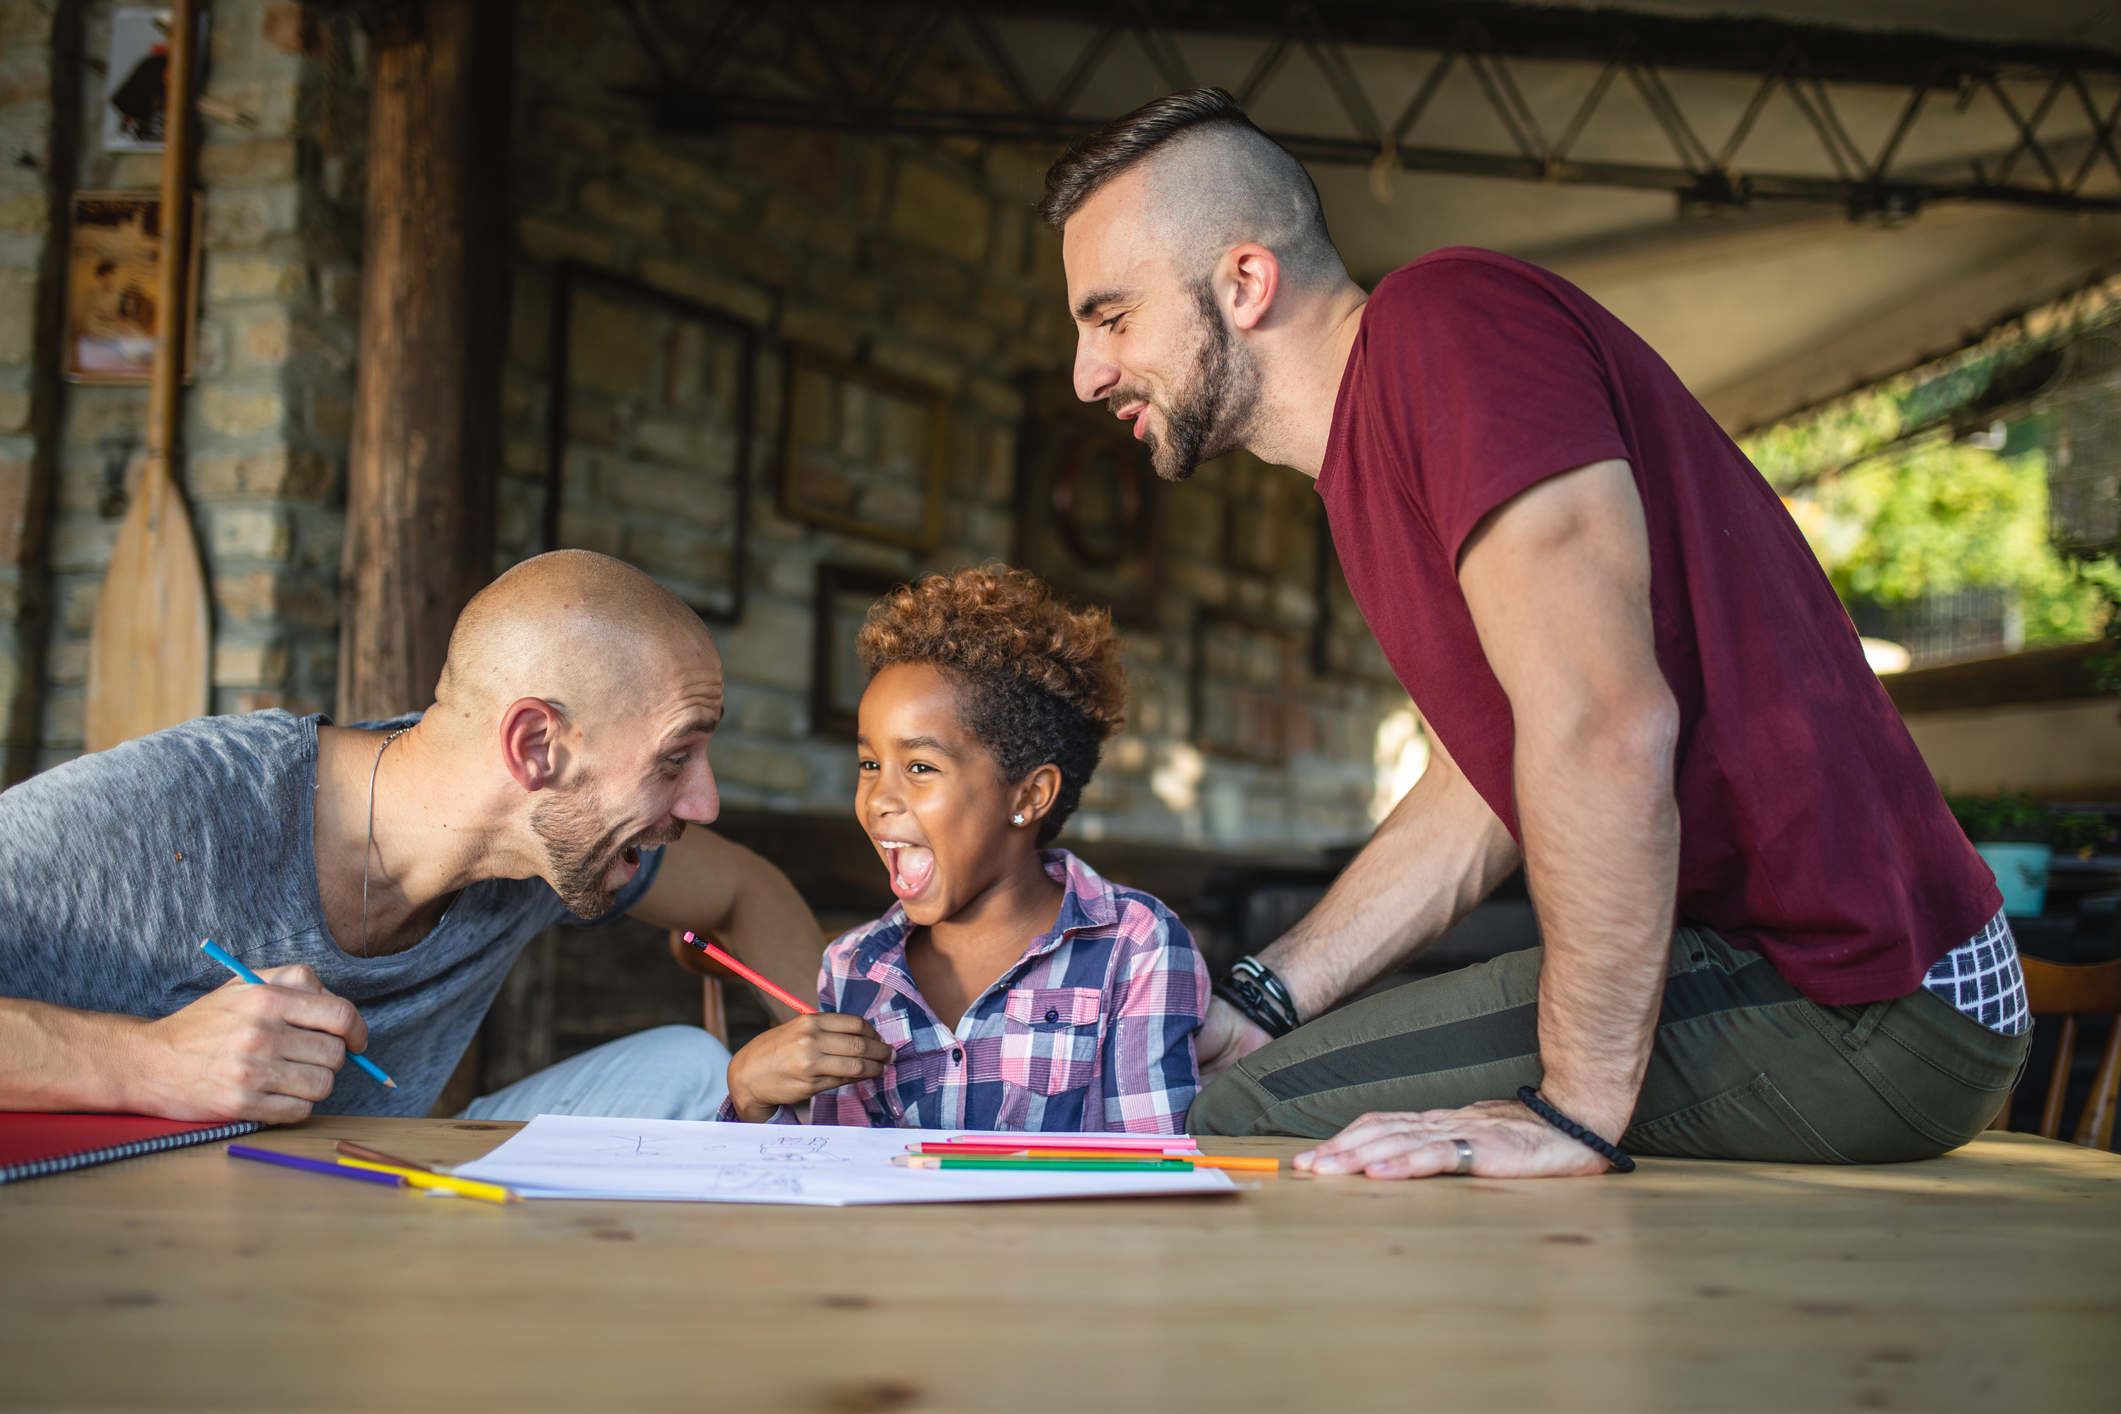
x,y
938,1161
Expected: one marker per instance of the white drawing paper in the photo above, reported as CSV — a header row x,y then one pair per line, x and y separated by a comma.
x,y
706,1161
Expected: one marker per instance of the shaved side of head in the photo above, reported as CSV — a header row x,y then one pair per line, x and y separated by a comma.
x,y
1212,181
580,630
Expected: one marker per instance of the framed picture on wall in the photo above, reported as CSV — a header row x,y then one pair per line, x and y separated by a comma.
x,y
648,435
844,594
1342,646
862,450
1088,502
1243,686
113,274
136,77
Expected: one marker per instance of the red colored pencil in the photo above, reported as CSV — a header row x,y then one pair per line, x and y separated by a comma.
x,y
749,976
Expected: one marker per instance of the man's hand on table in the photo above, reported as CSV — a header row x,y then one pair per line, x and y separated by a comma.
x,y
1508,1140
1226,1037
267,1053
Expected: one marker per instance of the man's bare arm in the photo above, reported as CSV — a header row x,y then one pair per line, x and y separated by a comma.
x,y
1558,581
1439,853
1597,728
239,1052
709,884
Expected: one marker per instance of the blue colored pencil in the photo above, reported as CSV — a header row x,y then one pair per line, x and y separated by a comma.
x,y
229,960
296,1161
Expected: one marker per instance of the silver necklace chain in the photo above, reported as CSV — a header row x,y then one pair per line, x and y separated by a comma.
x,y
369,851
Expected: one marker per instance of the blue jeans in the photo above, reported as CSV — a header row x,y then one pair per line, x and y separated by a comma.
x,y
671,1072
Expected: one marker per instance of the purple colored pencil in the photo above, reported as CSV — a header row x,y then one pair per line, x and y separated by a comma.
x,y
296,1161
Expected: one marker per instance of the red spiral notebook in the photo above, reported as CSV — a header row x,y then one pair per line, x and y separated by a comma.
x,y
33,1145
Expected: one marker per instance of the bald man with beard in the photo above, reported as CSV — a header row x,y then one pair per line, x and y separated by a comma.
x,y
382,878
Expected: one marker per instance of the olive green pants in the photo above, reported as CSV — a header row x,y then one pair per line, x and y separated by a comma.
x,y
1744,1067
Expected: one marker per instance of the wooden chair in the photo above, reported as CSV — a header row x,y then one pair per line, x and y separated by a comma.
x,y
712,974
2058,989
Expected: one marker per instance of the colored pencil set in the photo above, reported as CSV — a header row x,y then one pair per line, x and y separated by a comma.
x,y
365,1165
1074,1153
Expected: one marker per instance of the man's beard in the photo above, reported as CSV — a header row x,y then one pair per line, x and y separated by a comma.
x,y
1210,413
580,848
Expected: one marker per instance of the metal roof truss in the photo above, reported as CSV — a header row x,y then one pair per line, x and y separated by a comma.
x,y
822,64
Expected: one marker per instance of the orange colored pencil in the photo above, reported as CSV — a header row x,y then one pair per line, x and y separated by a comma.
x,y
1241,1163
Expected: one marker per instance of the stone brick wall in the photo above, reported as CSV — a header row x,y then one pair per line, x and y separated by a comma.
x,y
266,417
36,151
925,259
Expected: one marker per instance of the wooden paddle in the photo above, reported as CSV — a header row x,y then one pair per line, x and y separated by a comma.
x,y
148,653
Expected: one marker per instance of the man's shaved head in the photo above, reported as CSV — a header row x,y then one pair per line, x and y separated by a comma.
x,y
1194,245
582,631
1213,182
601,690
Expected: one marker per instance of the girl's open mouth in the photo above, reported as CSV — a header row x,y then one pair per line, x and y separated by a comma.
x,y
912,866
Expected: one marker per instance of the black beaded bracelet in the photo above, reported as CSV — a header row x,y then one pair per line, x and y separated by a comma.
x,y
1254,990
1529,1098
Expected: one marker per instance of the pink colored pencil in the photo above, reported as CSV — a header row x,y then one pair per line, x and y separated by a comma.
x,y
749,976
1018,1139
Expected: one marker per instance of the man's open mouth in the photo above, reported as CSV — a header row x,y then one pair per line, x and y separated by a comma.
x,y
912,866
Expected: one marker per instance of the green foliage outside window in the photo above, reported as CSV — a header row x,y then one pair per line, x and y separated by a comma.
x,y
2009,816
1932,516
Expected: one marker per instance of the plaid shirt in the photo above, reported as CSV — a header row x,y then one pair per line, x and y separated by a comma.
x,y
1092,1029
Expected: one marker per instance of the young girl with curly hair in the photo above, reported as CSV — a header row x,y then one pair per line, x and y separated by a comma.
x,y
1010,987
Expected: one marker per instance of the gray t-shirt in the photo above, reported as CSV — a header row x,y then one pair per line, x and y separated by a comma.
x,y
114,866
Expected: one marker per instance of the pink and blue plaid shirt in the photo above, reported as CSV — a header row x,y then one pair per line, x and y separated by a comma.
x,y
1092,1029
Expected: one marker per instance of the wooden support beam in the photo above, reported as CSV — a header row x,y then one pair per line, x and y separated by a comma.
x,y
434,303
150,650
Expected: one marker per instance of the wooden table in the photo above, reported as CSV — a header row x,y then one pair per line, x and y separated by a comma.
x,y
1990,1279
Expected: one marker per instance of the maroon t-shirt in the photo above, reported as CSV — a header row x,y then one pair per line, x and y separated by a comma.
x,y
1810,829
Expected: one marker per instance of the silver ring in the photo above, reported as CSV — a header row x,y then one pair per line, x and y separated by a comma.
x,y
1465,1159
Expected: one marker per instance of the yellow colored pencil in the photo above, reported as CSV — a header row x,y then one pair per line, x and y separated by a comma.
x,y
463,1187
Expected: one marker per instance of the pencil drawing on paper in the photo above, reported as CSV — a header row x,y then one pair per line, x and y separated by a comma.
x,y
710,1161
800,1149
648,1146
777,1182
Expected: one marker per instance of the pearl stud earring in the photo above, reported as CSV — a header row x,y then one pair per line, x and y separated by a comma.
x,y
1016,819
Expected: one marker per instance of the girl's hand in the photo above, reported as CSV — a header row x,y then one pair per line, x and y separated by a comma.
x,y
801,1058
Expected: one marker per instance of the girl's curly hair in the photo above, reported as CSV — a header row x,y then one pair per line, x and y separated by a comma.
x,y
1037,682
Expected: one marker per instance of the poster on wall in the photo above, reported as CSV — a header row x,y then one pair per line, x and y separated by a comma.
x,y
113,263
134,84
